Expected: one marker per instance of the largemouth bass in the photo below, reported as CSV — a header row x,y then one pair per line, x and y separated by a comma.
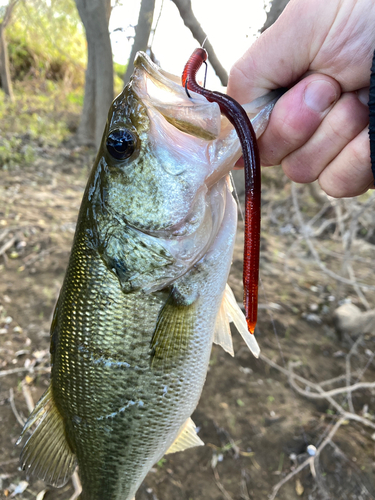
x,y
144,294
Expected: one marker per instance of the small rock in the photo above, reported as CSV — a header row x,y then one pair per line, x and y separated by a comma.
x,y
339,354
246,370
311,450
20,488
350,319
313,318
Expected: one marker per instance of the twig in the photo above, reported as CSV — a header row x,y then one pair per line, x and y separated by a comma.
x,y
369,361
31,259
309,461
358,291
339,255
333,380
76,485
4,233
39,369
347,241
244,488
28,397
348,369
14,409
340,390
7,245
234,447
8,13
220,485
340,453
11,461
315,253
327,395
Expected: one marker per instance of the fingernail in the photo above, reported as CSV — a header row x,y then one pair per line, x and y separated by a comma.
x,y
320,95
363,95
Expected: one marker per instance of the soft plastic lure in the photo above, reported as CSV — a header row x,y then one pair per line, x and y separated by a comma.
x,y
240,121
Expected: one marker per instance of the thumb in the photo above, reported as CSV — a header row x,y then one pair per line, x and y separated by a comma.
x,y
296,117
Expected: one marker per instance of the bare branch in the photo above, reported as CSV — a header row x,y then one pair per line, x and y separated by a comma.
x,y
191,22
353,349
326,395
220,485
28,397
14,409
8,13
142,34
12,371
309,461
76,485
315,253
276,9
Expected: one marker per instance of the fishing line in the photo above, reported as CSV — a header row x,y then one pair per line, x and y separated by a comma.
x,y
157,22
236,196
204,41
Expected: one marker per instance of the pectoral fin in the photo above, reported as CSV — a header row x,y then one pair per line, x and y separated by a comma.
x,y
222,335
174,328
230,311
186,438
47,454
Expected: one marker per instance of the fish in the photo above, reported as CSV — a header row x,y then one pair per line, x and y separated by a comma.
x,y
145,293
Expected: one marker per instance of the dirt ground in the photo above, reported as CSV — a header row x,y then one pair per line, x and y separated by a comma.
x,y
256,427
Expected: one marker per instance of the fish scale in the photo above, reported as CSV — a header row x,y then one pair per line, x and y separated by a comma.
x,y
111,433
144,296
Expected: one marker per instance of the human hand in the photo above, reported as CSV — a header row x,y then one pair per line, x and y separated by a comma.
x,y
319,128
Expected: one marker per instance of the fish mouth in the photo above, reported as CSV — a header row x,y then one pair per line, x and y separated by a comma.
x,y
163,91
205,132
187,132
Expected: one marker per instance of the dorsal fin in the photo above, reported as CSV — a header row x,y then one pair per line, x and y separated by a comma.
x,y
47,454
186,438
230,311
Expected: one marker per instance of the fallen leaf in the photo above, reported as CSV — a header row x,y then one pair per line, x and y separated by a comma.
x,y
41,495
299,488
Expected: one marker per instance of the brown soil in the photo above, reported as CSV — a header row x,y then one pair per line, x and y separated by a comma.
x,y
255,426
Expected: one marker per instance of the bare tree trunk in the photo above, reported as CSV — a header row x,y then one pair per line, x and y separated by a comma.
x,y
276,9
142,34
191,22
6,82
99,73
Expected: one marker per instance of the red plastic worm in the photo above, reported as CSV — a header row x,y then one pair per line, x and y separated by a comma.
x,y
240,121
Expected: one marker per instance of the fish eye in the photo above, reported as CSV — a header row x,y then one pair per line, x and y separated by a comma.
x,y
121,143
